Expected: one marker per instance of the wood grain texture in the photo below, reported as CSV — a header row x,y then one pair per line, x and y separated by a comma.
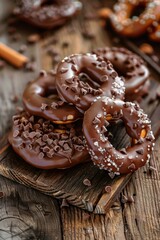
x,y
27,214
131,221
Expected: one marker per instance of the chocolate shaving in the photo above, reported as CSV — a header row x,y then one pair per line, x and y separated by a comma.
x,y
104,78
64,203
132,166
87,182
16,133
111,174
108,189
54,105
41,155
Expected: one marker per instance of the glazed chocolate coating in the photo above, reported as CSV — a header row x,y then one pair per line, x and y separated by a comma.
x,y
102,80
46,145
130,66
133,27
47,14
102,152
37,103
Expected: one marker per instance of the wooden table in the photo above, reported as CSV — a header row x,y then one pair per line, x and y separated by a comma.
x,y
28,214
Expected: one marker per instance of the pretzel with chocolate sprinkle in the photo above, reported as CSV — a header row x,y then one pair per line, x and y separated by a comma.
x,y
37,102
136,26
131,67
127,25
96,120
46,13
81,78
46,145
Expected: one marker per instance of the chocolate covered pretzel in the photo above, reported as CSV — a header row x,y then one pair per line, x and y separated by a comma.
x,y
126,25
131,67
46,13
46,145
37,101
103,154
101,79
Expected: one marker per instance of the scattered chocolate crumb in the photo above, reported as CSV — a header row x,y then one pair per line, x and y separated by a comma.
x,y
43,73
88,35
52,52
64,203
87,182
155,58
16,37
52,41
23,48
86,216
30,66
146,48
108,189
111,174
152,99
56,59
32,58
65,44
1,194
2,64
44,106
33,38
54,105
14,98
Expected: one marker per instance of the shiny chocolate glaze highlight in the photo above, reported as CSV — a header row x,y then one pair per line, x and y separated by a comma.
x,y
46,145
102,80
131,67
102,152
37,103
47,13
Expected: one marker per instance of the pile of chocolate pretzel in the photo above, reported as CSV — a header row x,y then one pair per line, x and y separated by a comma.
x,y
68,111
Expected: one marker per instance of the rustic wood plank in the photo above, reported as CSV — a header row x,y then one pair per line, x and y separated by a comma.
x,y
77,224
27,214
